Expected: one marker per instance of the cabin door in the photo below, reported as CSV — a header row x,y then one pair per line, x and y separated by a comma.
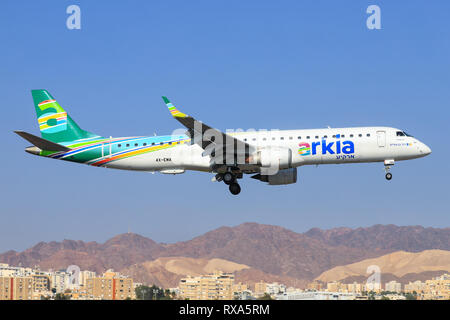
x,y
106,148
381,138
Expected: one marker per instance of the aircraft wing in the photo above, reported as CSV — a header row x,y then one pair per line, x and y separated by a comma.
x,y
215,142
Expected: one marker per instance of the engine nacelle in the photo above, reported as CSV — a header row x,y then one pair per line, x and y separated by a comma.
x,y
274,157
285,176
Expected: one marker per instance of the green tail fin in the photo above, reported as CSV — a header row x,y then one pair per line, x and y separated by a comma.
x,y
54,122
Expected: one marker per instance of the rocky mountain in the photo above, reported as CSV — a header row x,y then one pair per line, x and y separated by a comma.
x,y
118,253
271,250
385,237
399,265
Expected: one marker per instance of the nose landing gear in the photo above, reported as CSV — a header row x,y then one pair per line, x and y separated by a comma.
x,y
387,166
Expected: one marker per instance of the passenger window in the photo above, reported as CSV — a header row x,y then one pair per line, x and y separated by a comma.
x,y
128,144
290,138
351,136
119,145
245,139
153,143
161,143
170,142
360,135
264,139
334,136
273,138
317,137
281,138
307,137
299,138
325,137
145,144
135,144
342,135
254,139
368,134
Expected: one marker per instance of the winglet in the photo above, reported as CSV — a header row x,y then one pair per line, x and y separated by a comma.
x,y
173,110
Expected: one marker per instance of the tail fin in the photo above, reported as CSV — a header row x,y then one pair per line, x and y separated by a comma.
x,y
54,122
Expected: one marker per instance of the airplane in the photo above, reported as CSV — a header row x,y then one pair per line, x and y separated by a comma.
x,y
270,156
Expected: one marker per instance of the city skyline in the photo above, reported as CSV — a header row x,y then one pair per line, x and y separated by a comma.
x,y
22,283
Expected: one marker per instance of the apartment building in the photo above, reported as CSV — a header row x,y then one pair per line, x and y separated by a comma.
x,y
437,288
215,286
41,282
16,288
354,287
393,286
416,286
111,286
59,281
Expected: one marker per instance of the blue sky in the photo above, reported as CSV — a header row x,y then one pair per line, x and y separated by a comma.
x,y
231,64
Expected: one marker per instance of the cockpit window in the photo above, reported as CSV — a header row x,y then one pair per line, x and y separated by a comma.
x,y
400,134
408,135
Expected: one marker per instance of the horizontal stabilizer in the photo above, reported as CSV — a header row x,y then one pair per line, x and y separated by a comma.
x,y
41,143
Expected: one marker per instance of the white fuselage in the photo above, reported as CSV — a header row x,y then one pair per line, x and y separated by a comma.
x,y
309,147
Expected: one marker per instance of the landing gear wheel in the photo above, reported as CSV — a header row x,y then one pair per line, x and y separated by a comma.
x,y
388,176
235,188
228,177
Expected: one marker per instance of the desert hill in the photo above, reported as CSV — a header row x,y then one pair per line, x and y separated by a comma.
x,y
395,265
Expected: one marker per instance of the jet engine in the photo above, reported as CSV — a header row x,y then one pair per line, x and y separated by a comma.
x,y
285,176
274,157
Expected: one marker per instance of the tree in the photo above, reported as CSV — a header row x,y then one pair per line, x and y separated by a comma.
x,y
62,296
152,293
266,296
410,296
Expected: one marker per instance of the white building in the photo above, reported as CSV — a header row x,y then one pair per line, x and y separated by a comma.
x,y
372,286
316,295
395,297
275,288
60,281
10,271
84,275
393,286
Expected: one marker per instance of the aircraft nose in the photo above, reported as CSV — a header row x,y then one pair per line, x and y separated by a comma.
x,y
424,149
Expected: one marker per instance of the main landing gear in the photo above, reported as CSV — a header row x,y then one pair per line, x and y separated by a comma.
x,y
235,188
387,166
230,179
